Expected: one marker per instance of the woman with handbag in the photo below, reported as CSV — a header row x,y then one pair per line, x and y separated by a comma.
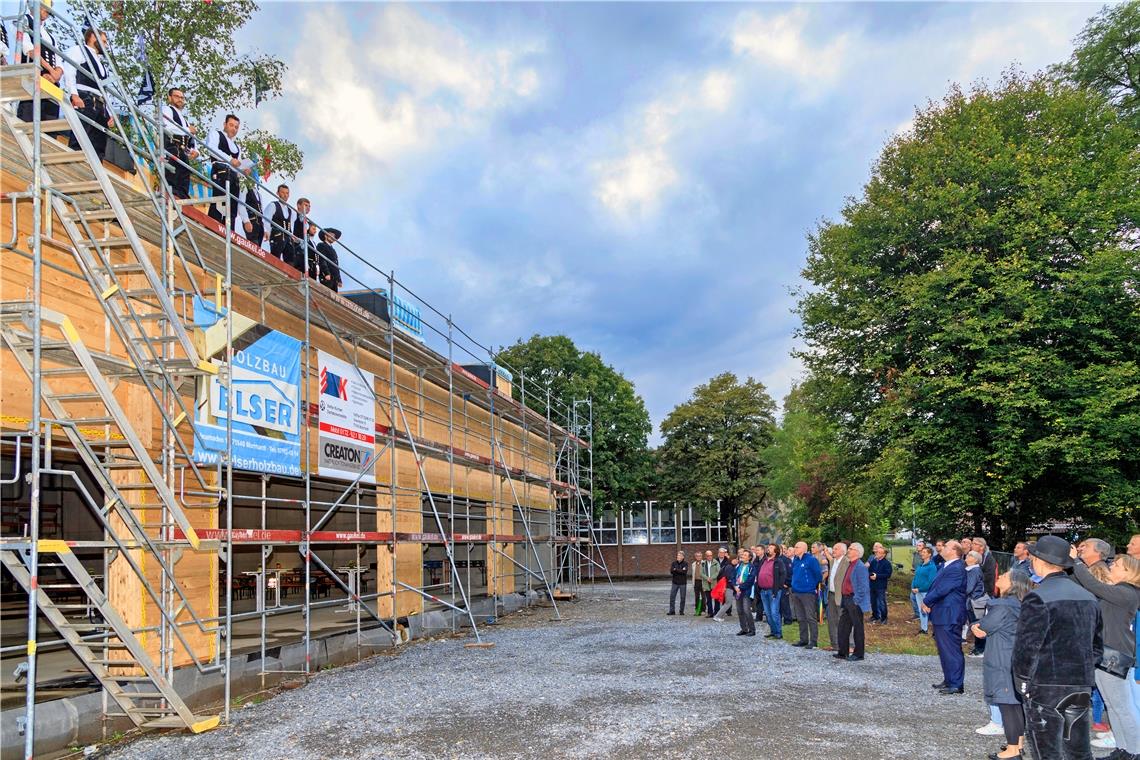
x,y
999,627
1119,601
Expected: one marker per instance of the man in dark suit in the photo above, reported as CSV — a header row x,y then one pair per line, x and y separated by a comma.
x,y
1055,654
945,602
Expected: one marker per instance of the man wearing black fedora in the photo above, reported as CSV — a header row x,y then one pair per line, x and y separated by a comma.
x,y
1055,655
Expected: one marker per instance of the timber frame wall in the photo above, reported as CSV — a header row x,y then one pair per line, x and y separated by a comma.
x,y
463,468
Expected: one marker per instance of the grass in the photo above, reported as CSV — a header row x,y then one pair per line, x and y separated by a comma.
x,y
899,635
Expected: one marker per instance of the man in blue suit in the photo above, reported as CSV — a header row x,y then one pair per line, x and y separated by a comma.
x,y
946,604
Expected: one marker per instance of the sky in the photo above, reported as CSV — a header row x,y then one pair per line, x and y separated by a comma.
x,y
640,177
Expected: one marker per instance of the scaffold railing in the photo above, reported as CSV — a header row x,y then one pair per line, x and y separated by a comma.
x,y
147,260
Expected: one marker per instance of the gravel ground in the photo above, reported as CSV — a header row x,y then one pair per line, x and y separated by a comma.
x,y
614,678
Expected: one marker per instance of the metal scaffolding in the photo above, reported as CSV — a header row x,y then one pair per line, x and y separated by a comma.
x,y
143,259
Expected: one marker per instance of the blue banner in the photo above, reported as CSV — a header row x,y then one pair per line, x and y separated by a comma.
x,y
265,408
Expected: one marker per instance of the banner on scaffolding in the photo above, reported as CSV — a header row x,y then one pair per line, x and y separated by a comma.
x,y
347,440
266,406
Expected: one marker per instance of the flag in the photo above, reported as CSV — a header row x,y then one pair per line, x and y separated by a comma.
x,y
260,86
146,89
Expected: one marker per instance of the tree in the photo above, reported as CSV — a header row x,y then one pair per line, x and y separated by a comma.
x,y
1107,57
621,423
810,472
191,45
974,316
713,445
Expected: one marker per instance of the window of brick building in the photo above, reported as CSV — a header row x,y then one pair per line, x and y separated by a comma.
x,y
635,523
664,528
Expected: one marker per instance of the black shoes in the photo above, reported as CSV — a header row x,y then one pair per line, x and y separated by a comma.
x,y
742,633
670,613
948,690
800,644
854,658
810,646
751,633
940,685
839,656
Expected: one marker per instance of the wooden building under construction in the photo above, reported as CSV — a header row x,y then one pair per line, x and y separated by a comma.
x,y
184,515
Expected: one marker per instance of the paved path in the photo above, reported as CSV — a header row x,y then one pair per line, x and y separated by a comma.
x,y
615,678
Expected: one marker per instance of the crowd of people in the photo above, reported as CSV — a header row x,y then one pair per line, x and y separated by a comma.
x,y
1056,632
81,72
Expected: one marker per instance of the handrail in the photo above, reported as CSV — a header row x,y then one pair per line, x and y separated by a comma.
x,y
154,130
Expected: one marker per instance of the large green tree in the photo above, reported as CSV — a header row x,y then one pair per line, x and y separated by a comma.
x,y
1107,57
974,317
713,445
621,423
190,44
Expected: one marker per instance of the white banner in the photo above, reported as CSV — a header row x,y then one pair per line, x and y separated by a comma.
x,y
347,422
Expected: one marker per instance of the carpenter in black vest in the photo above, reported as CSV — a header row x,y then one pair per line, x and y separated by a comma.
x,y
178,138
329,264
83,73
281,243
224,171
305,233
255,220
49,108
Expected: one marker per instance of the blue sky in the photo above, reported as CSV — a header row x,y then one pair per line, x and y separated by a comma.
x,y
638,176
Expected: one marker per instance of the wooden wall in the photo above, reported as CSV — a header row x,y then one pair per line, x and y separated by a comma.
x,y
425,403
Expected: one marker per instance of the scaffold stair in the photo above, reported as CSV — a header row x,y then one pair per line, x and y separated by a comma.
x,y
118,269
90,410
142,691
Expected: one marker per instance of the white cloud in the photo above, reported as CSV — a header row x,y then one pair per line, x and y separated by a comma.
x,y
632,185
421,84
781,41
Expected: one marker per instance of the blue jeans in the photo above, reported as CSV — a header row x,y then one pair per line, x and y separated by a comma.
x,y
923,618
916,604
878,603
771,602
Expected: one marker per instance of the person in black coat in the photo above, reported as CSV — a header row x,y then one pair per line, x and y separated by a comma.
x,y
1054,658
254,226
679,572
989,565
329,263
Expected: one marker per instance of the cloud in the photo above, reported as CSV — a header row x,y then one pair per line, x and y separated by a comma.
x,y
420,84
782,42
631,186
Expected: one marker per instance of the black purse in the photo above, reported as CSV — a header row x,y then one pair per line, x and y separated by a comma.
x,y
1115,662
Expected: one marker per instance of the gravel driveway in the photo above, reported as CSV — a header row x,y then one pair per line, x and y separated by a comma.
x,y
615,678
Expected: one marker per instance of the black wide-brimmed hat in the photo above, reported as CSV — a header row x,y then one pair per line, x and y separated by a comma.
x,y
1052,549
